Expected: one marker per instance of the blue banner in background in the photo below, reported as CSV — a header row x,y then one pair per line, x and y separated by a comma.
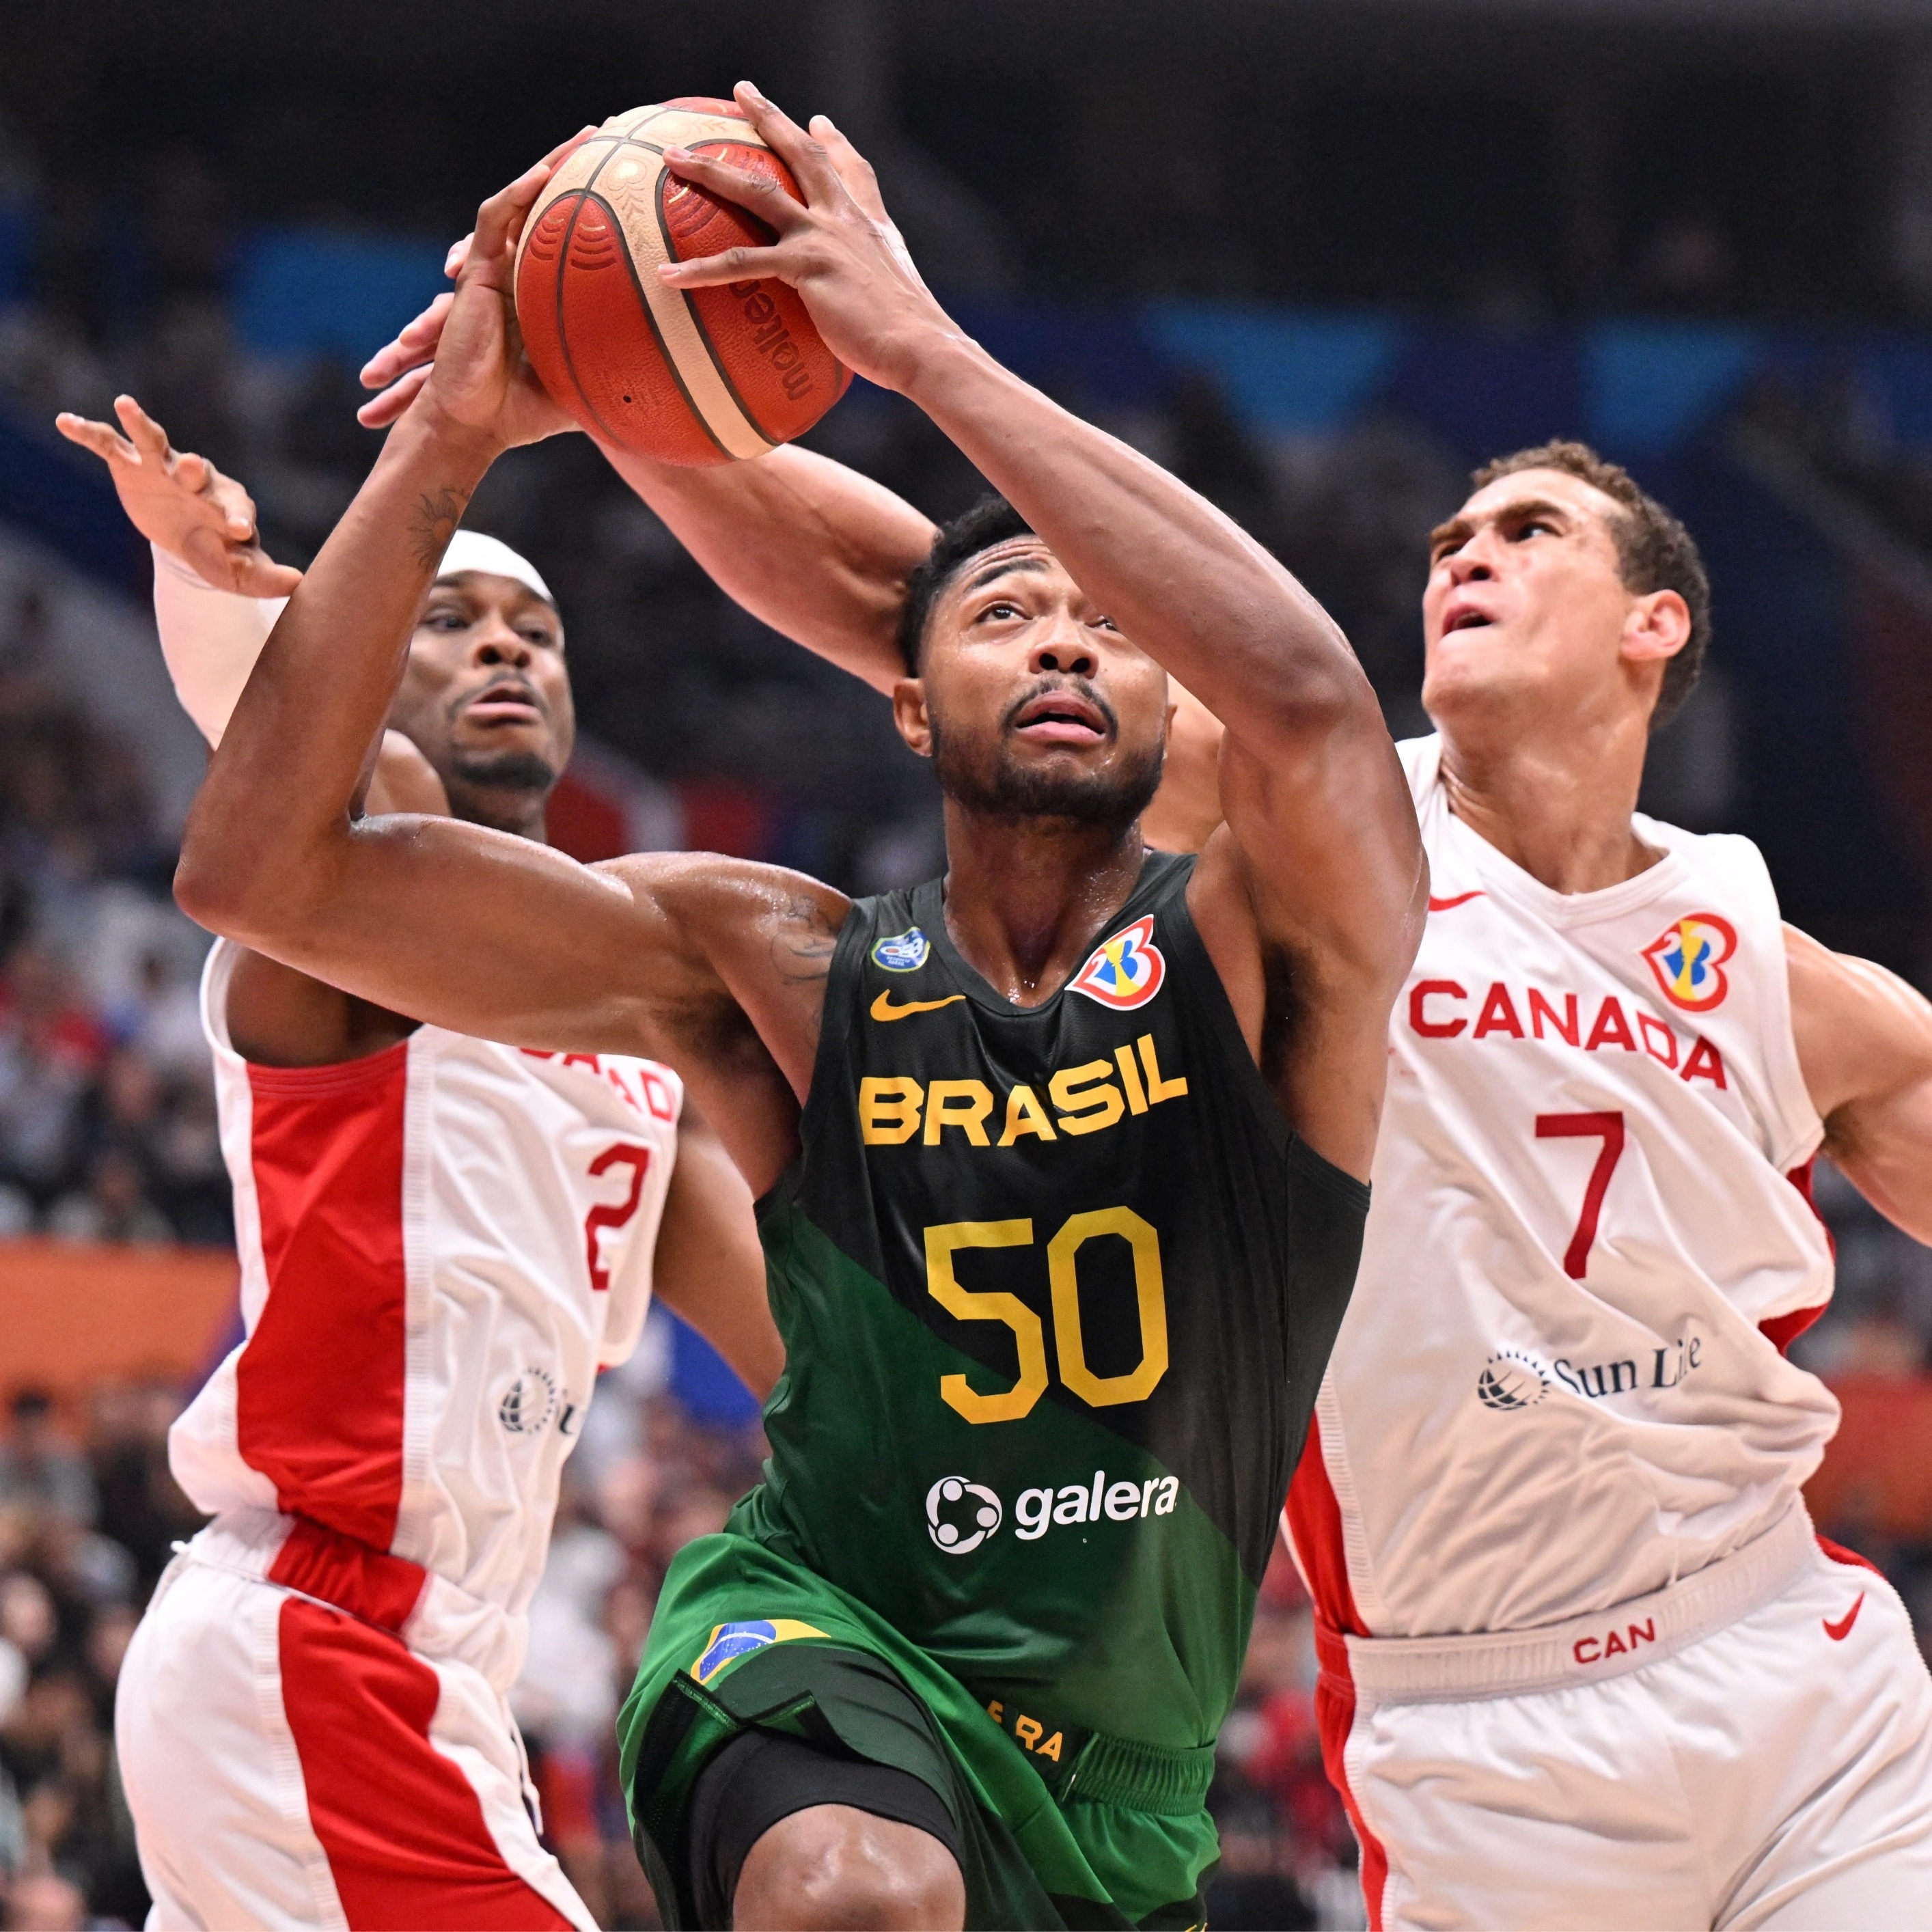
x,y
705,1383
307,291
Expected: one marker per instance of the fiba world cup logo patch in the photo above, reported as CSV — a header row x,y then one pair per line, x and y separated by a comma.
x,y
904,952
1125,971
1687,959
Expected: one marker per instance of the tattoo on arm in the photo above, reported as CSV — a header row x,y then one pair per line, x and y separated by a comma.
x,y
803,949
433,523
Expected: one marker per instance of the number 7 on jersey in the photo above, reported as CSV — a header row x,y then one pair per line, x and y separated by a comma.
x,y
1610,1127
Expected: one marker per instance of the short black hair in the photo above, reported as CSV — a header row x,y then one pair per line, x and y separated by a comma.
x,y
1654,551
991,521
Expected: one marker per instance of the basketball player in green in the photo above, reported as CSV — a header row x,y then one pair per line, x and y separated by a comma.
x,y
1061,1156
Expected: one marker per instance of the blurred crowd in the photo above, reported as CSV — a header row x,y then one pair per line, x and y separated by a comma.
x,y
107,1125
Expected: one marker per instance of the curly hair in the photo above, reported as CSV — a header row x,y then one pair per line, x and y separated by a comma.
x,y
1654,551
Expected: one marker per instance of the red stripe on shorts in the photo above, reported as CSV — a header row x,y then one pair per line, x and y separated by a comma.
x,y
403,1827
319,1389
1313,1517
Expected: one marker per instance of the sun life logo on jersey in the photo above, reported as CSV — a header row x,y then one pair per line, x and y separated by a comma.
x,y
1125,971
729,1641
528,1403
1688,959
982,1509
904,952
1510,1380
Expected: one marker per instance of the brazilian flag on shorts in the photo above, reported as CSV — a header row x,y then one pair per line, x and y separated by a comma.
x,y
1057,1285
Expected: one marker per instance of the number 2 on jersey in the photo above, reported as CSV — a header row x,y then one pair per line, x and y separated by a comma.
x,y
1609,1128
613,1215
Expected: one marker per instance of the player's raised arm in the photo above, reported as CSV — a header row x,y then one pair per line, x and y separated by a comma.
x,y
452,922
1322,860
809,546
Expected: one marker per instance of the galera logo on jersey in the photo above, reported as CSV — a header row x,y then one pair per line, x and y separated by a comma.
x,y
961,1515
953,1497
1125,971
1688,957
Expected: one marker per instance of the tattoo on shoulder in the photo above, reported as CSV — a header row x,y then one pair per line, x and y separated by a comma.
x,y
433,523
806,941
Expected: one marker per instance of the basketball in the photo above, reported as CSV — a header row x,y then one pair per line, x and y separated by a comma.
x,y
686,377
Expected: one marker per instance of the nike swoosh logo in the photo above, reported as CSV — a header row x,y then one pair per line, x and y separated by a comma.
x,y
1838,1632
1448,905
882,1008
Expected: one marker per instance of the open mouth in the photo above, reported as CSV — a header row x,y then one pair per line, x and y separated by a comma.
x,y
508,702
1467,618
1060,718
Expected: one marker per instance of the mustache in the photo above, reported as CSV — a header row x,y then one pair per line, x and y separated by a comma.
x,y
1066,681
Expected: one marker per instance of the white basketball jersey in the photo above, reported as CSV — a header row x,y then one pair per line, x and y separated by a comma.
x,y
1560,1384
441,1244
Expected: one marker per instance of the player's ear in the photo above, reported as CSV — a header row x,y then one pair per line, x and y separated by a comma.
x,y
910,715
1658,626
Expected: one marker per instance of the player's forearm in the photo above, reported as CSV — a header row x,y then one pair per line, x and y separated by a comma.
x,y
210,640
281,790
1182,580
812,548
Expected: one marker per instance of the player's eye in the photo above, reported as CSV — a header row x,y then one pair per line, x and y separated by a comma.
x,y
1000,610
1104,624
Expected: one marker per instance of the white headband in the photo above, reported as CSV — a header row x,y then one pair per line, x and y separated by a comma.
x,y
469,550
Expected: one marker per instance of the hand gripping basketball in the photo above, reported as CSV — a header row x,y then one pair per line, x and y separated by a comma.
x,y
465,347
837,248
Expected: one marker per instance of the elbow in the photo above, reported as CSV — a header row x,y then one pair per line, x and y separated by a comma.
x,y
207,893
239,889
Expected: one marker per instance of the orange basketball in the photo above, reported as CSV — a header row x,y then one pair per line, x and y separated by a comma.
x,y
683,376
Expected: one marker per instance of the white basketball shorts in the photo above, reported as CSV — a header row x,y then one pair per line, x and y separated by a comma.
x,y
1750,1748
290,1765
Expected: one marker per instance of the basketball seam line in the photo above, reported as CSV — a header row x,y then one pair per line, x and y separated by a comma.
x,y
697,322
584,197
588,193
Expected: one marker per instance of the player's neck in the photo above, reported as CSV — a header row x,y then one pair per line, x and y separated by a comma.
x,y
1557,804
1024,898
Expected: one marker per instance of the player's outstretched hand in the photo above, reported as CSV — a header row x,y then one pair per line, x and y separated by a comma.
x,y
465,350
182,503
839,249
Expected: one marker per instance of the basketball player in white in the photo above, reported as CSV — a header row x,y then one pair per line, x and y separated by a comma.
x,y
442,1242
1584,1663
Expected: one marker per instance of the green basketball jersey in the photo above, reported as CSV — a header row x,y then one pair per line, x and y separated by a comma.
x,y
1057,1285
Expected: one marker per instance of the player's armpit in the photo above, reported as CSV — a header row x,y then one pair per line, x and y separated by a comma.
x,y
709,1268
1864,1046
1311,901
